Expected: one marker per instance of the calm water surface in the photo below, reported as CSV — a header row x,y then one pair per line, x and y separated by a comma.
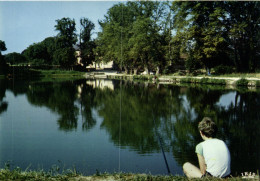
x,y
104,125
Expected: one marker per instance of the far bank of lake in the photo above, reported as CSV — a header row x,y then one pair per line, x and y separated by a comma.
x,y
231,81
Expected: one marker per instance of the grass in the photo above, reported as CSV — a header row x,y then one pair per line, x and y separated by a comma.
x,y
58,73
203,81
28,73
55,173
17,174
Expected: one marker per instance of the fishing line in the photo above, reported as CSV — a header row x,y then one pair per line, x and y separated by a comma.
x,y
161,145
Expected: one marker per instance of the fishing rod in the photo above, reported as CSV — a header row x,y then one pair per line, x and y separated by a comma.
x,y
161,145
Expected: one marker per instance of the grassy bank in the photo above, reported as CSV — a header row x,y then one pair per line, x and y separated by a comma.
x,y
17,174
29,73
58,73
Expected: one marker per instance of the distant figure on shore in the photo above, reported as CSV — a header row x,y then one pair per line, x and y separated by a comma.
x,y
213,154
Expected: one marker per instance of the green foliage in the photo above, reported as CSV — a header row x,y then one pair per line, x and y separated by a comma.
x,y
243,27
36,54
131,36
2,46
86,44
15,58
242,82
222,69
218,34
203,81
212,81
3,65
257,83
66,36
64,57
186,80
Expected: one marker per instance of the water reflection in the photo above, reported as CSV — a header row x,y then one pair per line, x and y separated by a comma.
x,y
133,112
3,104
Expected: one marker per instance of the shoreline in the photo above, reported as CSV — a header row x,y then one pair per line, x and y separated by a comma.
x,y
17,174
230,82
6,174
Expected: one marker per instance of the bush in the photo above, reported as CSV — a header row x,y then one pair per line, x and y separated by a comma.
x,y
223,69
242,82
185,80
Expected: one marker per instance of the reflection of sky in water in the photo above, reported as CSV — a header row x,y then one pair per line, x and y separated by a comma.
x,y
227,99
188,108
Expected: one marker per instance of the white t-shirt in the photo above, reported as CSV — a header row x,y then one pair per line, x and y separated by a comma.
x,y
216,155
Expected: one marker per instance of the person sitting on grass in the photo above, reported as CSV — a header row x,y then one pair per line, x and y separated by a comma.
x,y
213,154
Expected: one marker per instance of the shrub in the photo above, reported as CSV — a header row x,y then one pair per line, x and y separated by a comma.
x,y
223,69
186,80
204,80
242,82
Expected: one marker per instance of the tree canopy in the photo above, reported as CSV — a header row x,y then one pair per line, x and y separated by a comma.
x,y
2,60
161,37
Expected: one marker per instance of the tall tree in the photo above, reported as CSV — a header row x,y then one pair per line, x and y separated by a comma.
x,y
67,32
219,33
113,40
131,35
2,60
203,25
243,25
86,43
66,38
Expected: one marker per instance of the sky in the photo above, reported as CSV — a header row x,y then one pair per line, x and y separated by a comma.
x,y
28,22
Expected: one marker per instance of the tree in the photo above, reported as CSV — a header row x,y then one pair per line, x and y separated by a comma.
x,y
219,33
65,57
50,44
15,58
36,54
131,35
3,65
66,38
2,46
112,42
86,44
203,24
145,43
243,26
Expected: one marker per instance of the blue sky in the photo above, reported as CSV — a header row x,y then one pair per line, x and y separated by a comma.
x,y
28,22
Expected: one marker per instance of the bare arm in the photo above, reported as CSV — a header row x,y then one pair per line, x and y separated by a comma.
x,y
202,164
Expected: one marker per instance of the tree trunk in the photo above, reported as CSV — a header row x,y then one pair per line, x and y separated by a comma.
x,y
126,70
146,69
157,70
135,71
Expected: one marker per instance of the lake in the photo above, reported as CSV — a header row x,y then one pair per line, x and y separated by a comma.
x,y
120,126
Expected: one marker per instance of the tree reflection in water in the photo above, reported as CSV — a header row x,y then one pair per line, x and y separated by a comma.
x,y
3,104
176,111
